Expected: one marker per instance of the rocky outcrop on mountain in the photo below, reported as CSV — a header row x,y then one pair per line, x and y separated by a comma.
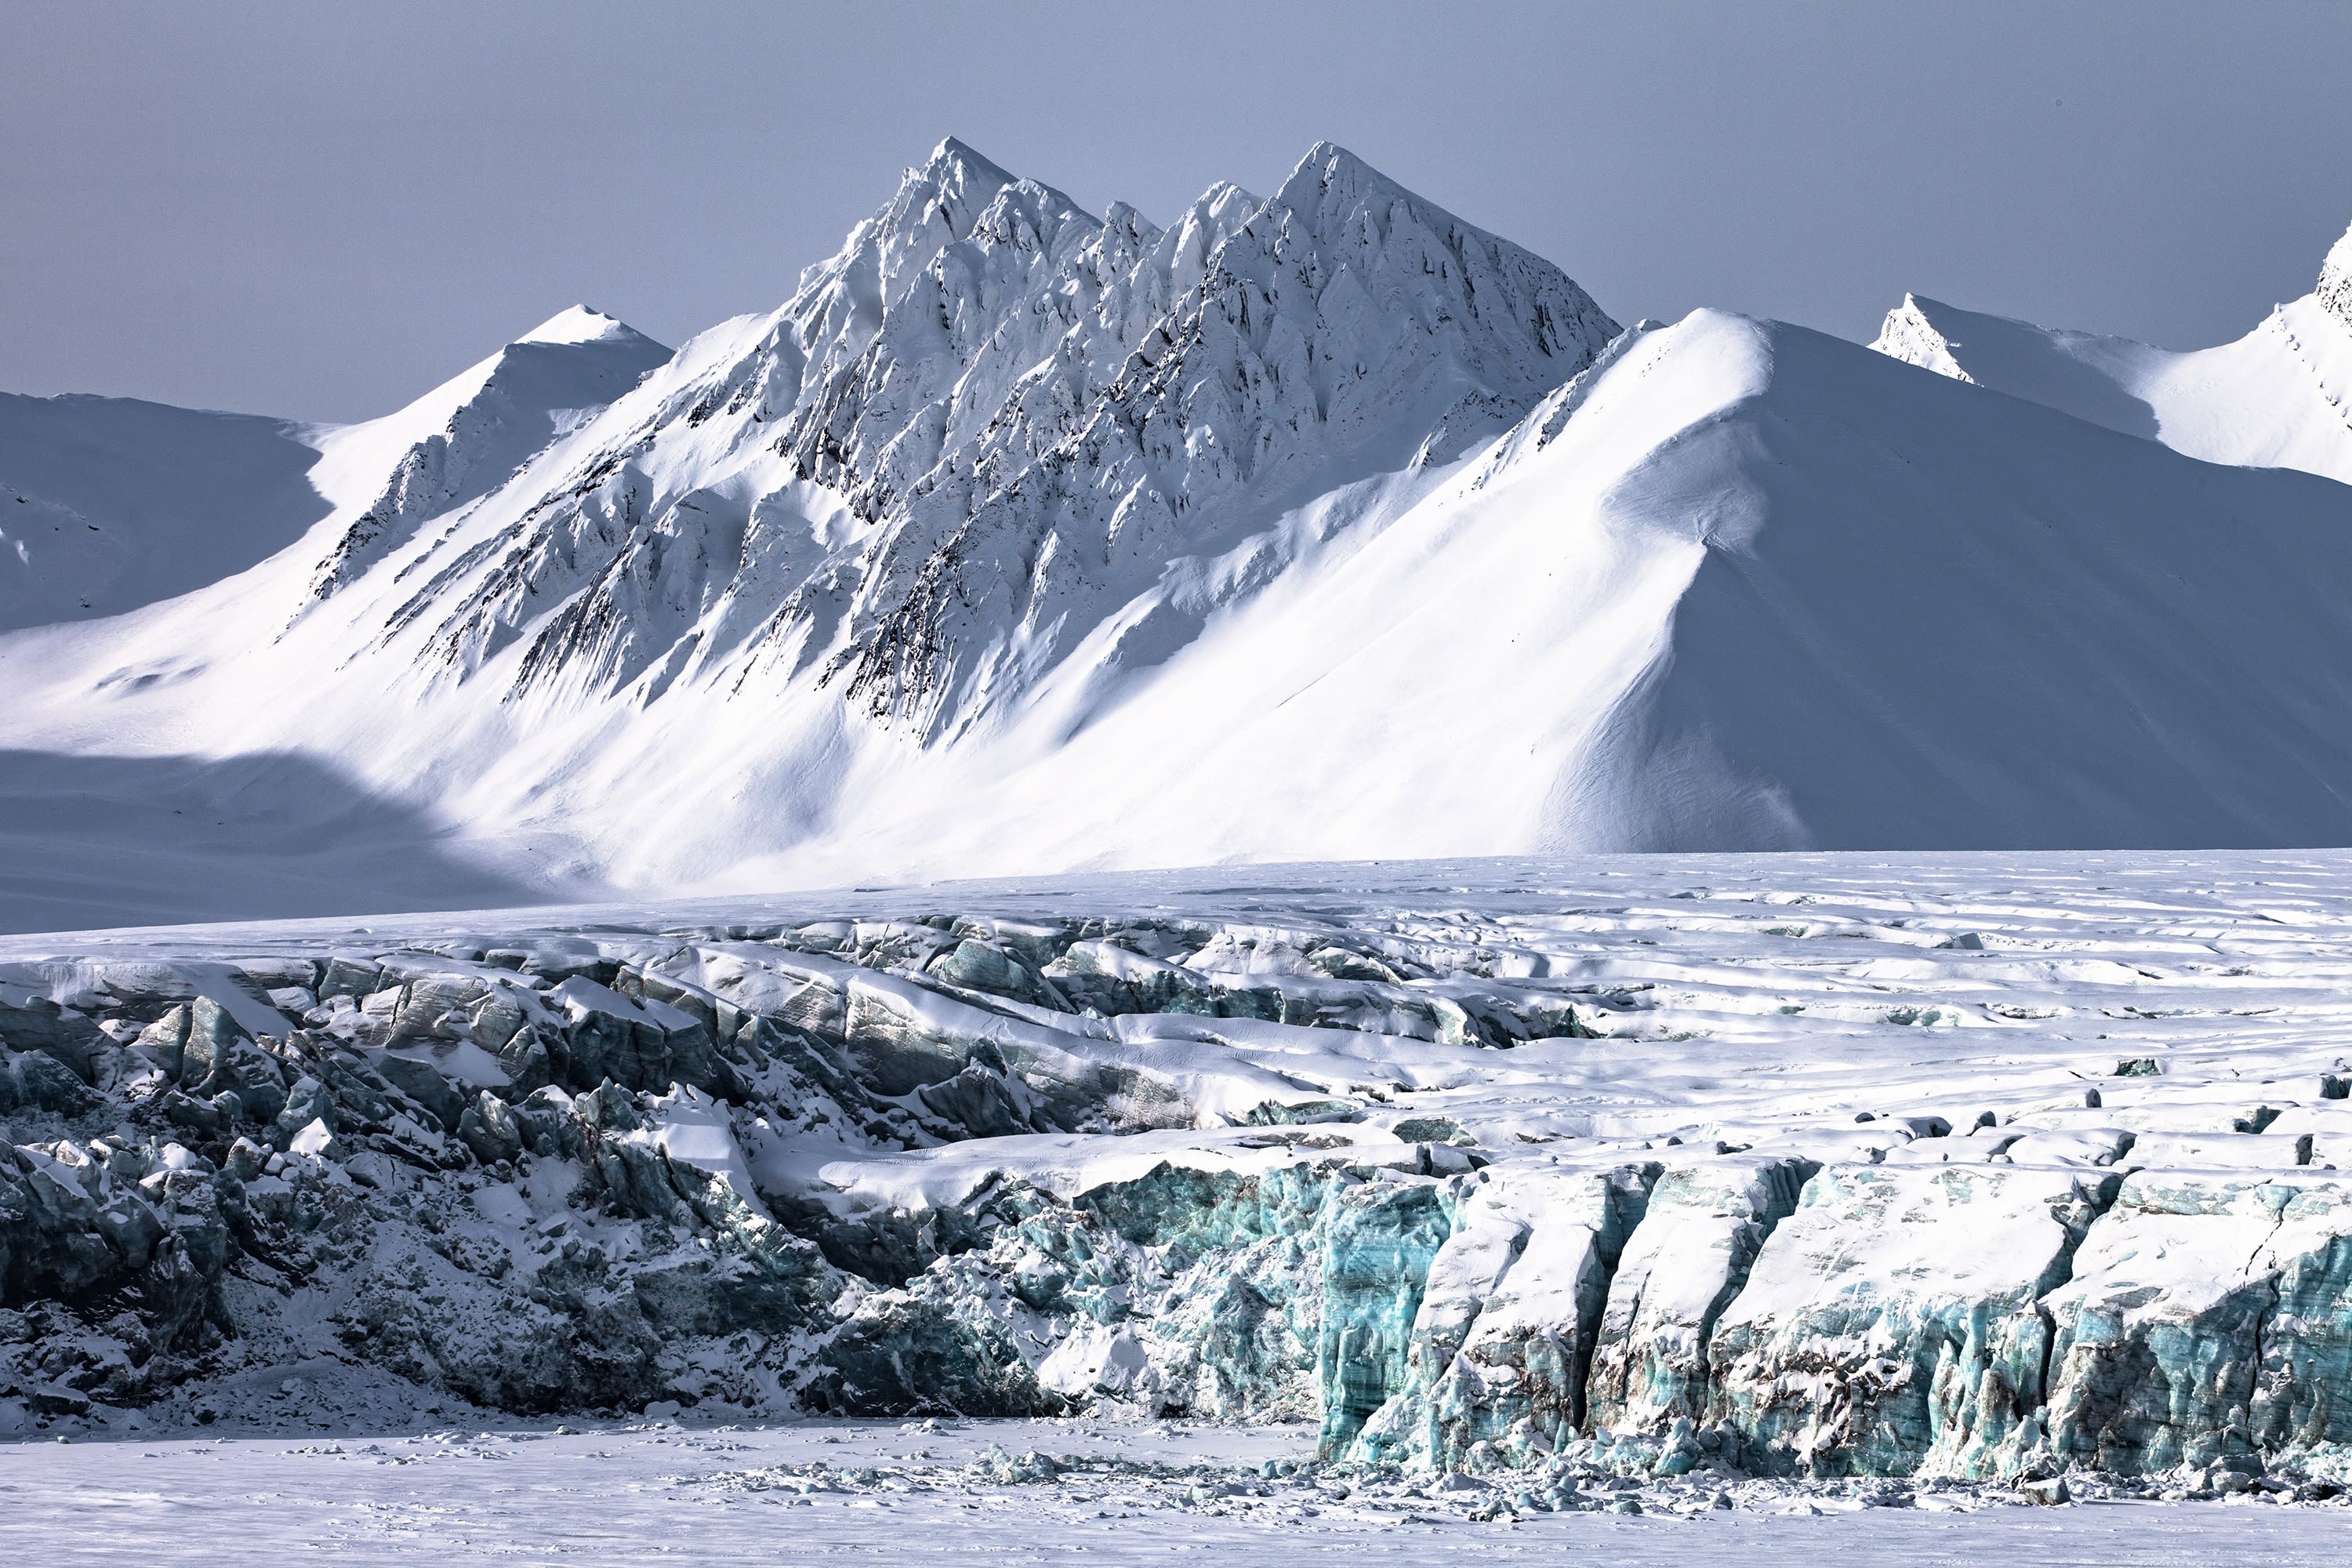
x,y
463,440
2336,281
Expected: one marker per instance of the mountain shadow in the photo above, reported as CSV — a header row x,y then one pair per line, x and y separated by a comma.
x,y
93,841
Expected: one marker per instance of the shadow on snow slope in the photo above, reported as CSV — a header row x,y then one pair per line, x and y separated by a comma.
x,y
1928,616
109,503
107,841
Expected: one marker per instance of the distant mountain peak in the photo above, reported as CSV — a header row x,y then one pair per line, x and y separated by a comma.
x,y
1913,333
2274,398
579,325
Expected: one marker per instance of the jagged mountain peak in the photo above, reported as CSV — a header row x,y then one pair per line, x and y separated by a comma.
x,y
938,203
955,156
1224,195
1346,330
2336,281
1035,411
955,195
1328,165
1418,266
1332,185
1215,213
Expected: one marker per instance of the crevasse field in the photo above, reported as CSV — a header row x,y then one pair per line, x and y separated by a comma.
x,y
1650,1207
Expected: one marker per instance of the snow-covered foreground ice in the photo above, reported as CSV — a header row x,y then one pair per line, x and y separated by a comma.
x,y
1809,1181
892,1492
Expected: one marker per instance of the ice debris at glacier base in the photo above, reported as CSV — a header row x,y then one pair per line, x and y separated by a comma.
x,y
731,1493
1951,1171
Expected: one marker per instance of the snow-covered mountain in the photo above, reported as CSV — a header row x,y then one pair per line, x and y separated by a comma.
x,y
114,504
2281,396
468,435
1325,526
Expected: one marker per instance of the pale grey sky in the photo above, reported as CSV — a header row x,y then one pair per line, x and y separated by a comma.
x,y
320,210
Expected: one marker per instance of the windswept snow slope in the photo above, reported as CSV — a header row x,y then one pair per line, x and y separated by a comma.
x,y
1917,616
2281,396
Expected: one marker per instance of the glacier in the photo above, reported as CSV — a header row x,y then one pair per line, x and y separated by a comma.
x,y
1694,1173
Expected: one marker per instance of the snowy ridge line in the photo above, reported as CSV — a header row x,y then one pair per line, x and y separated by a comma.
x,y
500,414
1726,1167
2249,402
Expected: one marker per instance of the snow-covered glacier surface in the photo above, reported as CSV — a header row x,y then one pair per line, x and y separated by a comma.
x,y
1330,1199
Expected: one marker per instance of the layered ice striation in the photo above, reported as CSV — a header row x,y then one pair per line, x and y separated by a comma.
x,y
1529,1173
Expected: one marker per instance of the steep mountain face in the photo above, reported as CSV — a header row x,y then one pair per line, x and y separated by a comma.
x,y
464,438
2280,396
1347,330
987,426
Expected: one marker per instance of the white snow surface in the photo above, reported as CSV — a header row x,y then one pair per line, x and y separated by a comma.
x,y
1764,1000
